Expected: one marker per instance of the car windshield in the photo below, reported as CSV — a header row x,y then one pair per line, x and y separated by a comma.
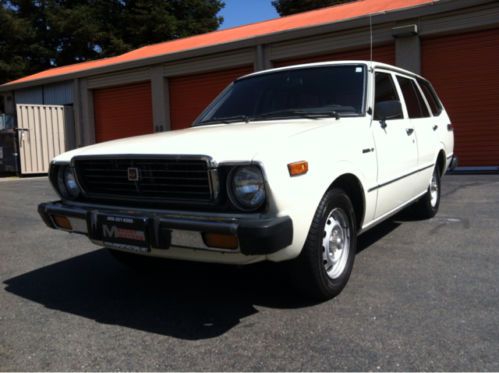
x,y
309,92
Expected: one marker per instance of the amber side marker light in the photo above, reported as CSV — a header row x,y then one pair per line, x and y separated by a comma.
x,y
221,241
298,168
62,222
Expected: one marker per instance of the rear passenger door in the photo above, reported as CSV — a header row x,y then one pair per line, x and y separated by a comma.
x,y
396,149
425,129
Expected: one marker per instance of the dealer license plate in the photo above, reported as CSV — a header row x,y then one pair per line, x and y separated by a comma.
x,y
124,232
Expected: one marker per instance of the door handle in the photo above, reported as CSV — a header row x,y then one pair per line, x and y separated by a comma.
x,y
409,131
22,133
435,127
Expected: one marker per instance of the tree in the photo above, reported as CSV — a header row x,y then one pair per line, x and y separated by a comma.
x,y
15,37
39,34
288,7
152,21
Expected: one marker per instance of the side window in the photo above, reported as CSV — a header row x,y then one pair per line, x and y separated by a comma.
x,y
431,97
385,90
416,107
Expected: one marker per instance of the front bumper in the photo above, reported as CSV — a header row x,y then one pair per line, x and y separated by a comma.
x,y
256,236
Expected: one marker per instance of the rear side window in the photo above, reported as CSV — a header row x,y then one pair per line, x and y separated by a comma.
x,y
385,91
431,97
416,107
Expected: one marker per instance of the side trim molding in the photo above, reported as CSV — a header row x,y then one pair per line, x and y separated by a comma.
x,y
400,178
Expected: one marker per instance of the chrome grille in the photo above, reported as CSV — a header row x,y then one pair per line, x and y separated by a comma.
x,y
158,179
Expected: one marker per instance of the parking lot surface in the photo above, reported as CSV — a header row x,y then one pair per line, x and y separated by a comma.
x,y
424,295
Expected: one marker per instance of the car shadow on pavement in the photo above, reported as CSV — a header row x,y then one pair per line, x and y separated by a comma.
x,y
377,233
184,300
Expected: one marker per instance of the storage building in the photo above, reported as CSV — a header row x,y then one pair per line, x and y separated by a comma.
x,y
162,87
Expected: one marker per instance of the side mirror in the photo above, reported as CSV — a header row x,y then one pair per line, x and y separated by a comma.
x,y
386,110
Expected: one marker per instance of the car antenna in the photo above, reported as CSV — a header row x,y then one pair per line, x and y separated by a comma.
x,y
370,110
371,39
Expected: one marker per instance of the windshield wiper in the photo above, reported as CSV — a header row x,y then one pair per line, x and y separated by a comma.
x,y
231,119
300,113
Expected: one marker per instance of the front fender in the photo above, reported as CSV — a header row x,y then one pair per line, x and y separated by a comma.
x,y
299,197
331,151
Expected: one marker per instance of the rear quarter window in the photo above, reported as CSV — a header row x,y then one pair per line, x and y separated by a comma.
x,y
431,96
416,107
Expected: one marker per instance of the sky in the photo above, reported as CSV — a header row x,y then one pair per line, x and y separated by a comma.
x,y
242,12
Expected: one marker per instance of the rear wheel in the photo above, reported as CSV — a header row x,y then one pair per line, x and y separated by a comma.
x,y
427,206
323,268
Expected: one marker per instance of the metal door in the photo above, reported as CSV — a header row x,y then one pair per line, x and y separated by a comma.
x,y
123,111
190,94
41,135
464,69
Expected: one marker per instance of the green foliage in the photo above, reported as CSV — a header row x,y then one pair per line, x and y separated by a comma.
x,y
39,34
14,57
288,7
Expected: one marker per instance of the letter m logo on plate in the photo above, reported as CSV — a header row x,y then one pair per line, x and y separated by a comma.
x,y
109,231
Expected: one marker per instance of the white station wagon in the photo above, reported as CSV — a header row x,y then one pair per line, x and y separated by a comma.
x,y
288,164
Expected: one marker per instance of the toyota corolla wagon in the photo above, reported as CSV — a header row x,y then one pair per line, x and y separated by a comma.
x,y
285,165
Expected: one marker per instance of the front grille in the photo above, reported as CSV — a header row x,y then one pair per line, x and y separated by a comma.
x,y
162,179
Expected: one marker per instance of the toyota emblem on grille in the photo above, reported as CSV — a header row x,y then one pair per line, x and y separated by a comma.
x,y
133,174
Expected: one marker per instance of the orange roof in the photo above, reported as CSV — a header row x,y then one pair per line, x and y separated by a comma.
x,y
302,20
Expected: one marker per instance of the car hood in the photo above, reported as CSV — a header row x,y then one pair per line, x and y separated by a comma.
x,y
222,142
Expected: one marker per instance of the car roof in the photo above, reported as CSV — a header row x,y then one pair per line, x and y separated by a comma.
x,y
372,64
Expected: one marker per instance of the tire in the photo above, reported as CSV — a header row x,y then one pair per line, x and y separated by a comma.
x,y
427,206
322,270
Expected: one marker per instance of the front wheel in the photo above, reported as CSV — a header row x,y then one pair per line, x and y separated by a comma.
x,y
323,268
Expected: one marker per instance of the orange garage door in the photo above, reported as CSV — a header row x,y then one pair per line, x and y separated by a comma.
x,y
123,111
465,72
384,54
189,95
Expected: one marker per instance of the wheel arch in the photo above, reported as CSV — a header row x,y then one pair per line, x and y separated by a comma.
x,y
352,186
441,161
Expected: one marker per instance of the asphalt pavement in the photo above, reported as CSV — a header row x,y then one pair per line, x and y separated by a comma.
x,y
424,295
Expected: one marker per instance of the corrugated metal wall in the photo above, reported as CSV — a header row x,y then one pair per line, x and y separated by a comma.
x,y
58,94
33,96
42,136
53,94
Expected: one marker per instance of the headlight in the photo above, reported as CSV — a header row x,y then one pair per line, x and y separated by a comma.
x,y
70,183
247,187
67,185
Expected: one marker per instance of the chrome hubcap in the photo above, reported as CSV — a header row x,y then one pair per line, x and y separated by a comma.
x,y
336,243
434,190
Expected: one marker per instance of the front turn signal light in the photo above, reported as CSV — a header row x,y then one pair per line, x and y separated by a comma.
x,y
298,168
62,222
221,241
